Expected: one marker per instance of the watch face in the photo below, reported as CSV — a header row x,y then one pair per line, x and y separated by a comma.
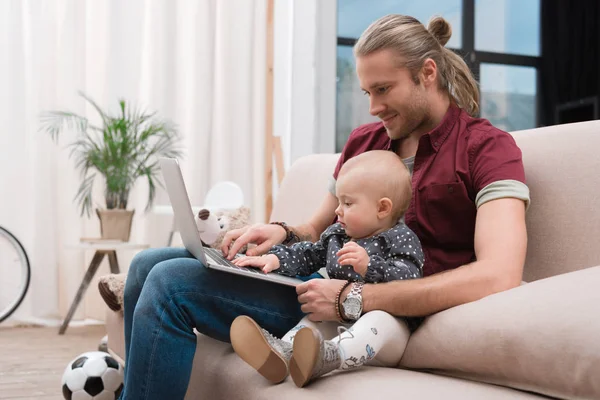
x,y
352,307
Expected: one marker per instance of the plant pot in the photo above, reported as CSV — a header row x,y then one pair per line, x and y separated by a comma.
x,y
115,224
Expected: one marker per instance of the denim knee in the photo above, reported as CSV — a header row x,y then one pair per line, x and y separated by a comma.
x,y
144,261
170,276
140,267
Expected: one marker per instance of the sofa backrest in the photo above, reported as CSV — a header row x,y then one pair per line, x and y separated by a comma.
x,y
303,188
562,168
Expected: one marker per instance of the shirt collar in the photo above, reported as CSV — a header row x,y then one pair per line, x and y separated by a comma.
x,y
438,135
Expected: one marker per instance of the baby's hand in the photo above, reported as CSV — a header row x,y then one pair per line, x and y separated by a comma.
x,y
266,263
354,255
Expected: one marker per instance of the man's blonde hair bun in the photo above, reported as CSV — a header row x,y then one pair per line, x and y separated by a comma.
x,y
440,29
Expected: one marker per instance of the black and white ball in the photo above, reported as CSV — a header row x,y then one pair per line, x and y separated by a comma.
x,y
93,375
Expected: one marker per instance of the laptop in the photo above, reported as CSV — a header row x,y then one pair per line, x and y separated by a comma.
x,y
186,224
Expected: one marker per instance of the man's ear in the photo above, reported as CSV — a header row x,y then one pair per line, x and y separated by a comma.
x,y
384,207
428,73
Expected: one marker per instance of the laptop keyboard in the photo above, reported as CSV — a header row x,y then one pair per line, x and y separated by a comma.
x,y
218,258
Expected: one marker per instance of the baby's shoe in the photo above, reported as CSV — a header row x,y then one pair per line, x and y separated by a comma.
x,y
261,350
312,356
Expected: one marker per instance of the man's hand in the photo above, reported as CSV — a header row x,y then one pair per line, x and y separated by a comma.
x,y
356,256
266,263
264,236
317,297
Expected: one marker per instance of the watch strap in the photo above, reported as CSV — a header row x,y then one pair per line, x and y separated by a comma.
x,y
357,288
290,235
338,310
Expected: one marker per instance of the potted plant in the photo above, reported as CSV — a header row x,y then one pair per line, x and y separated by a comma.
x,y
124,148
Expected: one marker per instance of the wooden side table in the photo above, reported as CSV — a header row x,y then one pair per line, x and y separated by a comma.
x,y
102,248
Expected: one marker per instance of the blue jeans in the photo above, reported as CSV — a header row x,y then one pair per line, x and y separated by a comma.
x,y
167,294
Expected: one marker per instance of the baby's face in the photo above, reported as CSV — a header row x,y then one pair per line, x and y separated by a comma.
x,y
357,209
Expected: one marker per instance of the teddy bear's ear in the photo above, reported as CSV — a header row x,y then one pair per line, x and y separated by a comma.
x,y
245,212
203,214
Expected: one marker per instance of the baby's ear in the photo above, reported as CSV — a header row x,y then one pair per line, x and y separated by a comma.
x,y
384,207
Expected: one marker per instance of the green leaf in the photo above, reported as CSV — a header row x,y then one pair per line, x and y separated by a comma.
x,y
125,148
84,194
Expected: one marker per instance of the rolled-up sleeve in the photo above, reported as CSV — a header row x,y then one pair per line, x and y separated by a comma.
x,y
331,185
507,188
496,165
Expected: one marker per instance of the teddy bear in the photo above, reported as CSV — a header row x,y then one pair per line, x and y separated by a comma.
x,y
212,226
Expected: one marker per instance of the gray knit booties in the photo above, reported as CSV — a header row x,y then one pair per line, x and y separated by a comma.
x,y
111,288
312,356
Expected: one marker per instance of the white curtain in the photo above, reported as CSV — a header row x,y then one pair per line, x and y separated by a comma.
x,y
200,63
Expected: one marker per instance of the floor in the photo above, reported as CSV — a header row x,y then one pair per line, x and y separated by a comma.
x,y
33,359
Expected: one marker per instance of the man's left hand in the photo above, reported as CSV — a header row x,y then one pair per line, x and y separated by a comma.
x,y
317,297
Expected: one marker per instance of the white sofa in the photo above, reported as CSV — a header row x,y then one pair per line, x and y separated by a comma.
x,y
542,338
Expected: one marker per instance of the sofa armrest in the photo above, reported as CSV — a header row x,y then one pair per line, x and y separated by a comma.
x,y
542,337
115,330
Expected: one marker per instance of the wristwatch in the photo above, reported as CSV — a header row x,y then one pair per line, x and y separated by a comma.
x,y
353,304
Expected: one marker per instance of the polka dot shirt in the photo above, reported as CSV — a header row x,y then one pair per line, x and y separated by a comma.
x,y
394,254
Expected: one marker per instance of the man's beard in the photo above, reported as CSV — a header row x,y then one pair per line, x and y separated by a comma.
x,y
408,127
415,116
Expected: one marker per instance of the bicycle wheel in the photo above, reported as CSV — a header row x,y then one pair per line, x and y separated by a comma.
x,y
15,273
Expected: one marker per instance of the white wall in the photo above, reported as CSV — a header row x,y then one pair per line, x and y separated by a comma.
x,y
325,76
304,76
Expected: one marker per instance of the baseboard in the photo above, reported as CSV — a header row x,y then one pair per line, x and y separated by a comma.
x,y
49,322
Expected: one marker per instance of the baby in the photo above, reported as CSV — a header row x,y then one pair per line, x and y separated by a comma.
x,y
368,243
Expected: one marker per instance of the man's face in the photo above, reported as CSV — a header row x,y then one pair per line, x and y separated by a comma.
x,y
394,96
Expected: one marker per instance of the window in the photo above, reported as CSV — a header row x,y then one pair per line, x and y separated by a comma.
x,y
352,105
500,37
354,16
508,96
508,26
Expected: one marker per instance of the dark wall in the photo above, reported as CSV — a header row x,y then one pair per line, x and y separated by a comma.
x,y
570,68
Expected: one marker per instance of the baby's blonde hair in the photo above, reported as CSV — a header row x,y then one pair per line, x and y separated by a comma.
x,y
387,176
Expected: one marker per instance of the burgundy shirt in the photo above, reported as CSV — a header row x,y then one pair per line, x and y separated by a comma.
x,y
453,163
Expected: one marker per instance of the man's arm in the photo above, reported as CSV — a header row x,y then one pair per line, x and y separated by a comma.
x,y
324,216
500,247
266,236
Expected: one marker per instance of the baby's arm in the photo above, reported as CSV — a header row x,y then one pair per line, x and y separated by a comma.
x,y
404,261
392,269
303,258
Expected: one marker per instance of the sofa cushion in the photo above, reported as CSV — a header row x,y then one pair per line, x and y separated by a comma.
x,y
218,373
542,337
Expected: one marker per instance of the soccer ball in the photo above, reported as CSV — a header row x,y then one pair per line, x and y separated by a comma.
x,y
93,375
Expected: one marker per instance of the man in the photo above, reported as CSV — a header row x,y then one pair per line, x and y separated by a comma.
x,y
468,209
469,197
